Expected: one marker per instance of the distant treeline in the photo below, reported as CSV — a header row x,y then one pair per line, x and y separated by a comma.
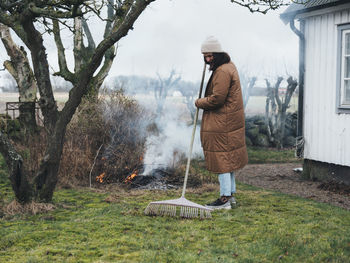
x,y
132,85
144,85
262,91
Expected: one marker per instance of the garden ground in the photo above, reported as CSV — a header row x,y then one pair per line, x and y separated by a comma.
x,y
108,225
281,177
99,226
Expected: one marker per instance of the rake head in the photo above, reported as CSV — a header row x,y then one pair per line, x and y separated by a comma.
x,y
178,207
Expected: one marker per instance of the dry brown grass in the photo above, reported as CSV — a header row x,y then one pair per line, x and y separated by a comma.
x,y
32,208
85,133
120,194
207,187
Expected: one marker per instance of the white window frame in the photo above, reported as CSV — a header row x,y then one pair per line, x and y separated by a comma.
x,y
341,106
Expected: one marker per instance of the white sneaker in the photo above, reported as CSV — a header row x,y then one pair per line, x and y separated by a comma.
x,y
220,203
233,201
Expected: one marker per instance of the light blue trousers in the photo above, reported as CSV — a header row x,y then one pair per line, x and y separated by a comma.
x,y
227,184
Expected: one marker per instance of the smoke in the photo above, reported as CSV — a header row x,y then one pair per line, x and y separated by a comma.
x,y
166,148
135,130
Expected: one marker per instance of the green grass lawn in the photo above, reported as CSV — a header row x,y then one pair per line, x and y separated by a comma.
x,y
264,227
270,155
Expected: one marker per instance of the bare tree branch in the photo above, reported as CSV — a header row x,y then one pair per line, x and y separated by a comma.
x,y
110,14
50,13
6,19
261,6
66,25
90,67
19,66
78,44
277,85
64,71
97,12
103,72
90,39
292,84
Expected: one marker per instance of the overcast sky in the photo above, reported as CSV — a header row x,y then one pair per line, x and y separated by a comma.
x,y
168,35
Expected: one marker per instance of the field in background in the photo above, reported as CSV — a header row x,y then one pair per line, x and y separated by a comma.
x,y
256,104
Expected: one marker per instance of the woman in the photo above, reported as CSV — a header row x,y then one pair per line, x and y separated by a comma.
x,y
222,128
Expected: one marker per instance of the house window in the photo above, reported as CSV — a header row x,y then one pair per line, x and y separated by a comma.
x,y
343,90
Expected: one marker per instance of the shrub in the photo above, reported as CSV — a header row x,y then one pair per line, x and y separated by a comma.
x,y
106,138
85,133
127,125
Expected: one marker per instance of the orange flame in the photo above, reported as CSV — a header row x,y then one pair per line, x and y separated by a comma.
x,y
100,177
130,177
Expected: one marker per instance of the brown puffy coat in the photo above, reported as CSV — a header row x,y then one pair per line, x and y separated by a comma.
x,y
223,129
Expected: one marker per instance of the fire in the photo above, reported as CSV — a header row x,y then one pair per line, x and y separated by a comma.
x,y
100,177
130,177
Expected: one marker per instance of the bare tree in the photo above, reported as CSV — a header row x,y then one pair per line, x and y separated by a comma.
x,y
247,83
275,116
162,88
21,16
28,18
190,91
83,53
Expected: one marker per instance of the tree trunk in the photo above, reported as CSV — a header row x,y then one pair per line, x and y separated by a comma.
x,y
248,89
275,118
272,115
17,173
292,84
96,83
20,69
46,178
41,71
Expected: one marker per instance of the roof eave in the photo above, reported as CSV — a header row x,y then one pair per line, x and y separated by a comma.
x,y
286,17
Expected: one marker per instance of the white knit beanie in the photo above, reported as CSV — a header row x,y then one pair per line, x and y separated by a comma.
x,y
211,45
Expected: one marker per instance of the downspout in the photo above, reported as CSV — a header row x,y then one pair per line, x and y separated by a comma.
x,y
300,135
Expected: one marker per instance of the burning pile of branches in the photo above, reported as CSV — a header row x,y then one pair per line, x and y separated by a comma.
x,y
124,121
106,139
131,177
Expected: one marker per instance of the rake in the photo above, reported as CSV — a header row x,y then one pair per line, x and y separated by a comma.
x,y
181,206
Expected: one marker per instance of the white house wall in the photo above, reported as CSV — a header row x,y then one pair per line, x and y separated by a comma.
x,y
326,133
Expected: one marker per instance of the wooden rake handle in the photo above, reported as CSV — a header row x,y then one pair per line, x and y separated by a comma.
x,y
193,133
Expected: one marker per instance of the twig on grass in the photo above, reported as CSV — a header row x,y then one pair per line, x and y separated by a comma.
x,y
92,167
